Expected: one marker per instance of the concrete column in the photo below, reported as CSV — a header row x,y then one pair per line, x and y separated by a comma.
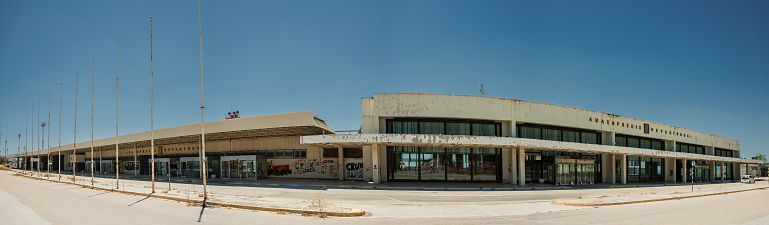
x,y
513,165
748,171
522,166
136,168
375,163
506,165
712,171
608,167
624,169
683,166
340,163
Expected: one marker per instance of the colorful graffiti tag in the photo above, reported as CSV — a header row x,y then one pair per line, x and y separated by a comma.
x,y
277,170
324,168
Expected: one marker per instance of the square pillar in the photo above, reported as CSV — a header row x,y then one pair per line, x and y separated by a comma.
x,y
683,166
340,163
624,169
507,166
375,163
521,166
513,165
609,168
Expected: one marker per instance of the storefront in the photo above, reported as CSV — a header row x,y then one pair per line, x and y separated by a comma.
x,y
444,164
239,167
162,166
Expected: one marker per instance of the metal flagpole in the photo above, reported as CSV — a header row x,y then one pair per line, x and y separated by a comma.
x,y
93,72
34,142
202,121
48,158
26,141
18,151
117,93
39,148
152,119
74,143
40,151
59,149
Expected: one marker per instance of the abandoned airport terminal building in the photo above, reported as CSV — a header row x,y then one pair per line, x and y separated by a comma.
x,y
423,137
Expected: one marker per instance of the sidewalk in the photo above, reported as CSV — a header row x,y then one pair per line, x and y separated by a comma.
x,y
412,199
193,195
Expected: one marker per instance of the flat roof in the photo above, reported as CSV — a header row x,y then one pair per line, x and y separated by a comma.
x,y
274,125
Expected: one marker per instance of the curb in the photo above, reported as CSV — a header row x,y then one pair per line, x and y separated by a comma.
x,y
560,202
353,212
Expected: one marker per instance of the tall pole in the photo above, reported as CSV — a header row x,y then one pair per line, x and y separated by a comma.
x,y
74,143
18,151
93,72
152,119
59,149
38,138
117,93
202,121
26,141
40,151
48,158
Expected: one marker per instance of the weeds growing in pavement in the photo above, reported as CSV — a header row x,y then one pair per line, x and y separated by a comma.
x,y
320,204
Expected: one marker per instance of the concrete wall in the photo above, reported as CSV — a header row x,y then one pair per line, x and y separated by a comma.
x,y
510,112
387,106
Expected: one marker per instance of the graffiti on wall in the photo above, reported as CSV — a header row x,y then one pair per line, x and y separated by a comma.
x,y
354,170
277,170
323,168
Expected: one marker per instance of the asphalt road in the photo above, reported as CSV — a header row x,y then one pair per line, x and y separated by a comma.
x,y
28,201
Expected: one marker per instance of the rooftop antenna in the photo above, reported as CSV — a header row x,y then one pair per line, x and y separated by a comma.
x,y
481,90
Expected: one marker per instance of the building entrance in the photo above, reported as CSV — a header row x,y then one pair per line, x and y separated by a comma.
x,y
443,164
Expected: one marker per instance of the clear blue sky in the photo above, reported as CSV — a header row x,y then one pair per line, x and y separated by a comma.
x,y
702,65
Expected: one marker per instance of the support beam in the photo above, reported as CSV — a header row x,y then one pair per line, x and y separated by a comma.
x,y
340,163
683,166
712,171
522,166
624,169
513,159
375,163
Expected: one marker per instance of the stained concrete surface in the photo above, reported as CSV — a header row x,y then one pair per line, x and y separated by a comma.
x,y
68,204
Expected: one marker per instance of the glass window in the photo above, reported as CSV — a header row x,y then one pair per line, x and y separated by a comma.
x,y
530,132
646,144
590,138
657,145
270,154
632,142
404,127
431,127
570,136
458,128
551,134
481,129
621,141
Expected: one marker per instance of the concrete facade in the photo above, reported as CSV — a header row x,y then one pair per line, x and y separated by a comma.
x,y
375,111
